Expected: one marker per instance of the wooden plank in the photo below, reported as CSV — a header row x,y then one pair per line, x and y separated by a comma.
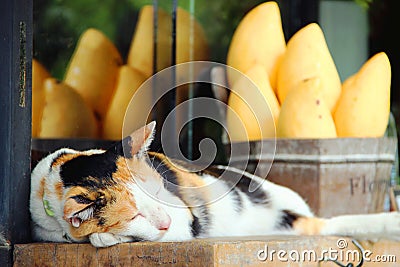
x,y
280,251
144,253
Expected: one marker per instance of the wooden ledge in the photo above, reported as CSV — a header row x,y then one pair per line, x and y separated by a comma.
x,y
207,252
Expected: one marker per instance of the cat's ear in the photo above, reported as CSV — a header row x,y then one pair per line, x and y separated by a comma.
x,y
140,140
137,143
77,210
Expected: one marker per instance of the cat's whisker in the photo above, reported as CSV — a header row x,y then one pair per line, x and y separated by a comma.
x,y
164,172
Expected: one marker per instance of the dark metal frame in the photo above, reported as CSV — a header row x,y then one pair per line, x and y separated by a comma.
x,y
15,118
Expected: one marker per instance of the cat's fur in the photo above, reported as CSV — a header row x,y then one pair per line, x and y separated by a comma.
x,y
3,240
109,197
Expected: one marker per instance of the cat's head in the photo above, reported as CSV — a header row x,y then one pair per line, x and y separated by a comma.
x,y
103,192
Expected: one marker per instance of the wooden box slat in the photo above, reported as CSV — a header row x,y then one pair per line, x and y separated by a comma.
x,y
335,176
206,252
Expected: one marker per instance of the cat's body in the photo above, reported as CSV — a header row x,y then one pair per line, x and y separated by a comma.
x,y
110,197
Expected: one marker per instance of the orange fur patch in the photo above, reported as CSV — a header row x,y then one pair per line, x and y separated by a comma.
x,y
122,174
76,190
40,192
86,228
123,210
185,177
309,225
120,209
192,187
71,207
58,187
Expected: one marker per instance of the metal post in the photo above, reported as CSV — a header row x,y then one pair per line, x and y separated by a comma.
x,y
15,118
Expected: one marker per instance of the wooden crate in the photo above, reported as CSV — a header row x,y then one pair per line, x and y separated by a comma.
x,y
208,252
335,176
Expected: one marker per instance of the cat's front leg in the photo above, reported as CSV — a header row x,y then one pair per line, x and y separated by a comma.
x,y
101,240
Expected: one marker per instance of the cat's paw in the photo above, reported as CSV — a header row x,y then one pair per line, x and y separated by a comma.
x,y
101,240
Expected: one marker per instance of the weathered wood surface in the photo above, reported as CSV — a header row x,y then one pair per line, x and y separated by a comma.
x,y
207,252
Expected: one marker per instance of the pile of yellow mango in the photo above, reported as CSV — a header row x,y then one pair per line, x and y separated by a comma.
x,y
295,89
91,100
303,93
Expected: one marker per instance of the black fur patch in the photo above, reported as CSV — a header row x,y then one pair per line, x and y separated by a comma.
x,y
287,219
89,170
237,198
101,221
195,226
258,196
122,148
56,158
137,239
82,200
201,212
169,176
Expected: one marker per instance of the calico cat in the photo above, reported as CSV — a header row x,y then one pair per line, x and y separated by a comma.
x,y
126,194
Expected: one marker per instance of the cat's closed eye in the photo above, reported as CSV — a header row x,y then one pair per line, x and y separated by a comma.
x,y
81,199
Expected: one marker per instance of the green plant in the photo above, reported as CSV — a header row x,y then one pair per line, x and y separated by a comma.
x,y
364,3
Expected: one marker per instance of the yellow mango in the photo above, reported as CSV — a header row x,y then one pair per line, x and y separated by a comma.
x,y
39,75
253,107
364,106
191,41
93,70
129,80
65,113
140,54
304,114
259,38
307,56
259,77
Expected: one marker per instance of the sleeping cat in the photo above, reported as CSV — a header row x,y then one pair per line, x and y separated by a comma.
x,y
128,194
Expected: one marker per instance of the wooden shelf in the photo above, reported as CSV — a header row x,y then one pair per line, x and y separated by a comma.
x,y
205,252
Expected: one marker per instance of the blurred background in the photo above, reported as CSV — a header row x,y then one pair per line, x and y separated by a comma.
x,y
354,29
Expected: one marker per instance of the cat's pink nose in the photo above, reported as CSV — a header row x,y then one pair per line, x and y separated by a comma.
x,y
164,223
